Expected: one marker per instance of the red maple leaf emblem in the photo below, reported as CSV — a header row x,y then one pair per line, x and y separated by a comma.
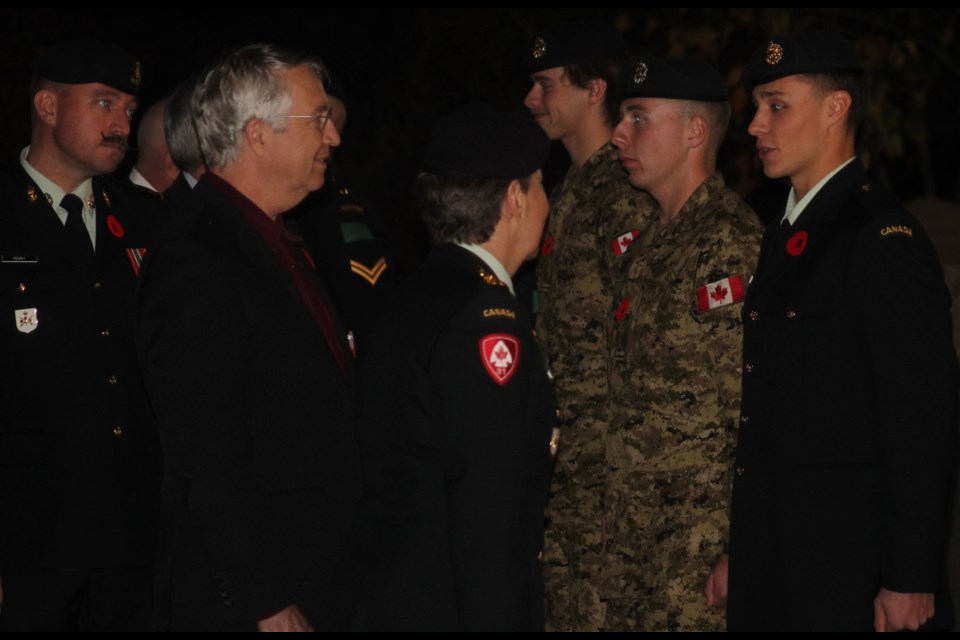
x,y
719,293
501,353
625,242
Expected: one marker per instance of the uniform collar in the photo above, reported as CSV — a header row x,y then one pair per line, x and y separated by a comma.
x,y
51,190
137,178
794,208
494,264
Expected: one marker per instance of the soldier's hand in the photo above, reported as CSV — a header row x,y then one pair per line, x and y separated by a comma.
x,y
896,611
716,587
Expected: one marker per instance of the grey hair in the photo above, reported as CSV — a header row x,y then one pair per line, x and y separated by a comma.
x,y
243,86
462,209
179,130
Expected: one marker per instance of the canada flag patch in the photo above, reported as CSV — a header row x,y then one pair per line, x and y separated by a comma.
x,y
500,354
622,243
720,293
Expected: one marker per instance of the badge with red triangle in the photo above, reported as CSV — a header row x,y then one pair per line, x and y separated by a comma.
x,y
622,242
500,354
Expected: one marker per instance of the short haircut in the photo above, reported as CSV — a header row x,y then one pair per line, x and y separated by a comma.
x,y
243,86
717,115
463,210
854,84
603,69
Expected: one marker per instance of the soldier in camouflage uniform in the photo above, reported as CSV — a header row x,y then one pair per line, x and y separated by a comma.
x,y
595,214
677,357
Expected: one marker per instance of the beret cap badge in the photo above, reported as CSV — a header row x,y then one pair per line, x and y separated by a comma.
x,y
774,53
539,48
136,75
640,72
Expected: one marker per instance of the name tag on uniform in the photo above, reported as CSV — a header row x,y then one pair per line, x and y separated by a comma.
x,y
18,259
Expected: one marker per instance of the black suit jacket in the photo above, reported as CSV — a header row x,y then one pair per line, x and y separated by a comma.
x,y
256,422
456,458
79,454
848,433
177,195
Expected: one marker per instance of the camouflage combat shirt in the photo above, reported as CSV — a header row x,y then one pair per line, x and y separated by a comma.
x,y
594,216
676,397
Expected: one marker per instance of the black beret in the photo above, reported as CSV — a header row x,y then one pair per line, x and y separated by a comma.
x,y
83,61
572,43
675,78
477,141
810,52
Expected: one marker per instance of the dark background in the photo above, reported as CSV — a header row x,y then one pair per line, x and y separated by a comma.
x,y
404,67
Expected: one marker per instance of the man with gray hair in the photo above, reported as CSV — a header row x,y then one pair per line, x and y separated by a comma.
x,y
181,137
155,169
246,364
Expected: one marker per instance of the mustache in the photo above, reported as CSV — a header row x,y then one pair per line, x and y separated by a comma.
x,y
116,139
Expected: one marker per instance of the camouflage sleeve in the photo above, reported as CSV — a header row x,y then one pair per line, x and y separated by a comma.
x,y
727,262
626,213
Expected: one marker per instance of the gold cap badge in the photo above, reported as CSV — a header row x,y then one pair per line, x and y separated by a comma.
x,y
539,48
774,53
640,72
136,75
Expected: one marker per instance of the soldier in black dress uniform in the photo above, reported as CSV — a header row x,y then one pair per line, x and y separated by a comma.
x,y
79,452
848,431
458,414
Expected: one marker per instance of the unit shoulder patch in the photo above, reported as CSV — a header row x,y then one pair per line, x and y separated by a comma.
x,y
500,354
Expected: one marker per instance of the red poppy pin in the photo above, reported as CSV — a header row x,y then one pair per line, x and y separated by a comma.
x,y
623,310
547,246
114,226
797,243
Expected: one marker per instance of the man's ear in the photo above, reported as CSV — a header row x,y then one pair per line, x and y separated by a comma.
x,y
254,134
697,131
598,90
45,104
838,105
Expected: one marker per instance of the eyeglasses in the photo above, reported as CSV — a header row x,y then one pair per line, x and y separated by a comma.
x,y
318,119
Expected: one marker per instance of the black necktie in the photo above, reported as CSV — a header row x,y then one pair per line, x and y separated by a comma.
x,y
76,230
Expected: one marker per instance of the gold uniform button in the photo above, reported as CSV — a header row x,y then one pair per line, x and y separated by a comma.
x,y
118,431
105,333
96,286
791,314
744,419
22,288
748,368
112,380
740,471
